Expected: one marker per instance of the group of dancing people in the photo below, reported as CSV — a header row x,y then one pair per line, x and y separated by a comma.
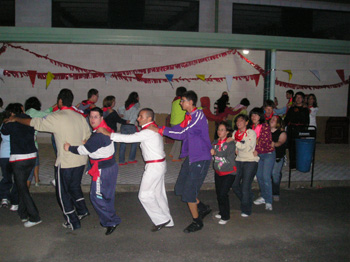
x,y
256,148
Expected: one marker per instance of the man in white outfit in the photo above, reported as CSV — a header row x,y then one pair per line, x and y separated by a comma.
x,y
152,194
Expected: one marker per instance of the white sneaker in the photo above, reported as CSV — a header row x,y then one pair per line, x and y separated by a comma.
x,y
31,224
14,208
218,216
259,201
36,184
244,215
24,220
223,222
4,203
53,182
268,206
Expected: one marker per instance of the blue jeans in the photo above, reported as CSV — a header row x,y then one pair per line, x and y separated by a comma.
x,y
128,130
242,186
276,177
264,175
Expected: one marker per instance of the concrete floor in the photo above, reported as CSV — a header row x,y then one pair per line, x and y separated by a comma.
x,y
305,225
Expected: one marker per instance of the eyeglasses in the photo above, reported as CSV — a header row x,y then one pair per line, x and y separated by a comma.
x,y
183,100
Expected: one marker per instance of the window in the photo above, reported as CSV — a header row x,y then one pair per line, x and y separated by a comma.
x,y
170,15
288,21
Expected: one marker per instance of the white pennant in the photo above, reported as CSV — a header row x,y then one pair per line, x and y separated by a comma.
x,y
229,79
107,76
316,73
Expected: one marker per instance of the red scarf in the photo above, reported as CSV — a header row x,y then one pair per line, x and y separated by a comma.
x,y
177,98
73,108
188,118
87,102
220,142
147,125
104,125
267,118
240,135
130,106
106,108
257,129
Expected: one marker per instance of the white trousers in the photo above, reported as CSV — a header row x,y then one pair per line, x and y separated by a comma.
x,y
152,194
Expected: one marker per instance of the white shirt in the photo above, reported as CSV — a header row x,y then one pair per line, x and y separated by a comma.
x,y
152,145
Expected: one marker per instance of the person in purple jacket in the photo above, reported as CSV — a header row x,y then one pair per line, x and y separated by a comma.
x,y
194,133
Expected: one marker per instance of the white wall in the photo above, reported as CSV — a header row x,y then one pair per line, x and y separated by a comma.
x,y
332,102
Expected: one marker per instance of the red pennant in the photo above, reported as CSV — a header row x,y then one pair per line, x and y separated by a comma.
x,y
32,75
256,77
139,76
340,73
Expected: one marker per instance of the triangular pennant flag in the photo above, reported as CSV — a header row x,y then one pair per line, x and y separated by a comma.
x,y
170,79
49,77
229,79
32,75
290,74
201,77
139,76
107,76
316,73
256,77
340,73
2,75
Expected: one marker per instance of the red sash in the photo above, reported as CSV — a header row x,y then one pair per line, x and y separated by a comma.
x,y
155,161
94,169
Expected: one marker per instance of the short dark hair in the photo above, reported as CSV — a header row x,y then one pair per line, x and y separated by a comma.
x,y
191,95
32,102
180,90
228,128
149,112
244,116
66,95
15,108
291,92
257,111
299,94
269,103
96,109
245,102
92,92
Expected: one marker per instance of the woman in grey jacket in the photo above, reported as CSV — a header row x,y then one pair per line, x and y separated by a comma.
x,y
225,170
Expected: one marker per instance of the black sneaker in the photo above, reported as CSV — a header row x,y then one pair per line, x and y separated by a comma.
x,y
193,227
203,213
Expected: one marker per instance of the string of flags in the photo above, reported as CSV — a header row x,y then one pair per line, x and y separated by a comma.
x,y
138,74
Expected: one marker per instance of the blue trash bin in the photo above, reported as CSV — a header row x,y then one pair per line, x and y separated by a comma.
x,y
304,153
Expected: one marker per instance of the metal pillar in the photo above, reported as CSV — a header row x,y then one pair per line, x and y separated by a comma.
x,y
270,69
